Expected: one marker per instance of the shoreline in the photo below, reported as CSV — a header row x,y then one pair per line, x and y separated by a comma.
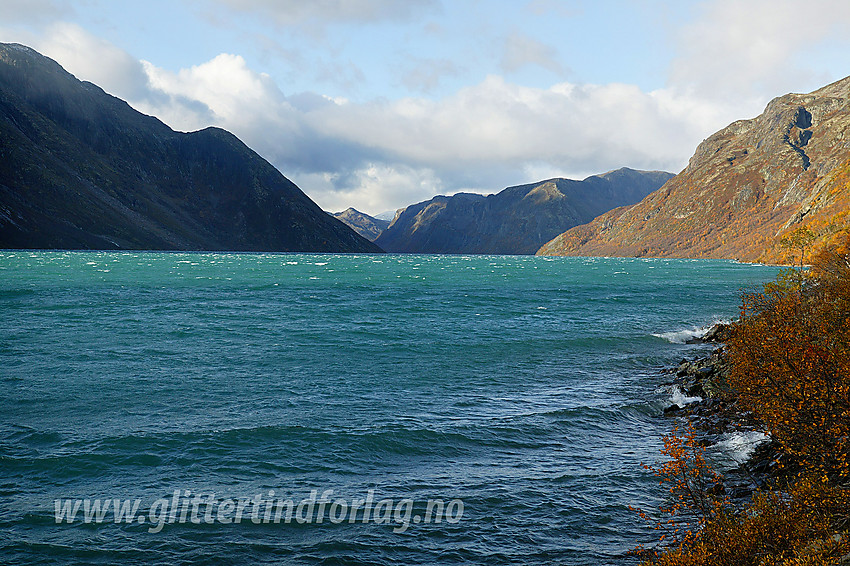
x,y
745,458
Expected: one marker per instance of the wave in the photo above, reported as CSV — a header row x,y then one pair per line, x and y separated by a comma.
x,y
682,336
739,445
678,397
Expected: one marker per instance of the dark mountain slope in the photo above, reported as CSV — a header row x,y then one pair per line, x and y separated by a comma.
x,y
80,169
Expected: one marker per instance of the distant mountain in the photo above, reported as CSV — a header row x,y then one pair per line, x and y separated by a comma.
x,y
745,187
367,226
517,220
80,169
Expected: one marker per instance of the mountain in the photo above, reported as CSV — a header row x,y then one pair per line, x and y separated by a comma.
x,y
80,169
517,220
745,187
367,226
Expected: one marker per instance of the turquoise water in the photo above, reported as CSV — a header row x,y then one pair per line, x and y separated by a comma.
x,y
527,389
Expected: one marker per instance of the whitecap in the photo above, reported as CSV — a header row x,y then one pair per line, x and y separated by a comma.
x,y
681,336
739,446
678,397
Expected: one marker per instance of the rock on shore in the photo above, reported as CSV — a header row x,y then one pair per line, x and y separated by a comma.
x,y
701,395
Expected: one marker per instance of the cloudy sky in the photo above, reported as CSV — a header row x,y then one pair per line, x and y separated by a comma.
x,y
377,104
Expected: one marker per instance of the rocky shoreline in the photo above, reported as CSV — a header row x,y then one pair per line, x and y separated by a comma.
x,y
701,395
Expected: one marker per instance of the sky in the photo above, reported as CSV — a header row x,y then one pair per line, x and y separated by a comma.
x,y
378,104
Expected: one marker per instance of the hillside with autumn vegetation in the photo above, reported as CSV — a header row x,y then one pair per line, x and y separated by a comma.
x,y
744,189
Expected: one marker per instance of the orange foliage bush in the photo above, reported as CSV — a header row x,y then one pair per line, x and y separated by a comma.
x,y
690,484
790,362
790,366
775,529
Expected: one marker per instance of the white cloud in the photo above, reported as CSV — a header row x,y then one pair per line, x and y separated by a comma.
x,y
570,126
373,188
495,134
225,85
385,154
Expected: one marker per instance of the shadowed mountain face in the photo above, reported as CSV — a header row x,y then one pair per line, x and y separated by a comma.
x,y
518,220
80,169
745,187
367,226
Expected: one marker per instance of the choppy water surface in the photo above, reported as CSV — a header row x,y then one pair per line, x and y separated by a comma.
x,y
526,388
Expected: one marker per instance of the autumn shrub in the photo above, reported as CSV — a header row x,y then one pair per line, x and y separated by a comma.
x,y
790,362
690,485
776,528
789,365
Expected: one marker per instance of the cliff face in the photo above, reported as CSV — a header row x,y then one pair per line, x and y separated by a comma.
x,y
518,220
744,187
367,226
80,169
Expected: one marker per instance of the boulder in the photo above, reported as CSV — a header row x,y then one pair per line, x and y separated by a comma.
x,y
717,333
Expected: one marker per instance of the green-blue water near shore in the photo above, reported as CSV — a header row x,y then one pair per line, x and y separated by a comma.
x,y
528,388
